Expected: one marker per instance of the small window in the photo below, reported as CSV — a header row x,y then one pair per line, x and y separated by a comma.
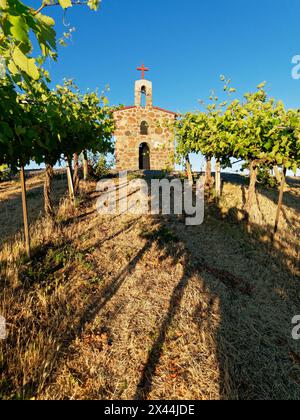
x,y
144,128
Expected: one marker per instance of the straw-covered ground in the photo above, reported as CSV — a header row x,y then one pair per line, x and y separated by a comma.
x,y
124,307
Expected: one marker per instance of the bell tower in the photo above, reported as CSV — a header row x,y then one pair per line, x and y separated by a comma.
x,y
143,90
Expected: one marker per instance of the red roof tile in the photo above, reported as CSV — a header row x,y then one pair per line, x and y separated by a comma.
x,y
124,108
154,107
164,110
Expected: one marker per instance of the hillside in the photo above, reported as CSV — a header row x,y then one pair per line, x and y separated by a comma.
x,y
144,307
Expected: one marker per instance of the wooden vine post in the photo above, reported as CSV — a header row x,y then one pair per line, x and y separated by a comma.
x,y
208,173
218,179
280,201
48,205
25,212
250,205
85,166
70,182
76,180
189,170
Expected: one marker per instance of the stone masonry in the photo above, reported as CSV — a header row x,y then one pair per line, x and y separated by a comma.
x,y
140,128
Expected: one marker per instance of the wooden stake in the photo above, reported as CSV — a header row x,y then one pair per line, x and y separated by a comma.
x,y
218,179
76,180
25,212
208,173
280,201
251,208
85,166
48,205
189,170
70,182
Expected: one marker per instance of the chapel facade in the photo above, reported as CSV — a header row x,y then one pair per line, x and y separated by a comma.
x,y
144,133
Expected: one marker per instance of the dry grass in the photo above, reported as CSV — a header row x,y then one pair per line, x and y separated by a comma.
x,y
127,307
11,219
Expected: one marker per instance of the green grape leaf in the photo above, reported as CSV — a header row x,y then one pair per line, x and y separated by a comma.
x,y
3,4
25,64
19,29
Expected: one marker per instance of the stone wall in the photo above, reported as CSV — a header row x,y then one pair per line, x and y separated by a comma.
x,y
160,137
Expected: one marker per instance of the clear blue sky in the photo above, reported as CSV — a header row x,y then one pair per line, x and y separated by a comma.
x,y
187,44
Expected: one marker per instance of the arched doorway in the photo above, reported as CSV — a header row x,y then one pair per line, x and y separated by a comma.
x,y
144,157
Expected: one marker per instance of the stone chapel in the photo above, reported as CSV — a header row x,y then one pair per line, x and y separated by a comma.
x,y
144,135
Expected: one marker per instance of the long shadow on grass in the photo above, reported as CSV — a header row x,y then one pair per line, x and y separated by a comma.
x,y
259,294
291,199
145,385
254,341
43,272
88,314
91,310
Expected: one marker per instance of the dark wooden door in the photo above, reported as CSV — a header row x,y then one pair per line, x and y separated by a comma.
x,y
144,157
